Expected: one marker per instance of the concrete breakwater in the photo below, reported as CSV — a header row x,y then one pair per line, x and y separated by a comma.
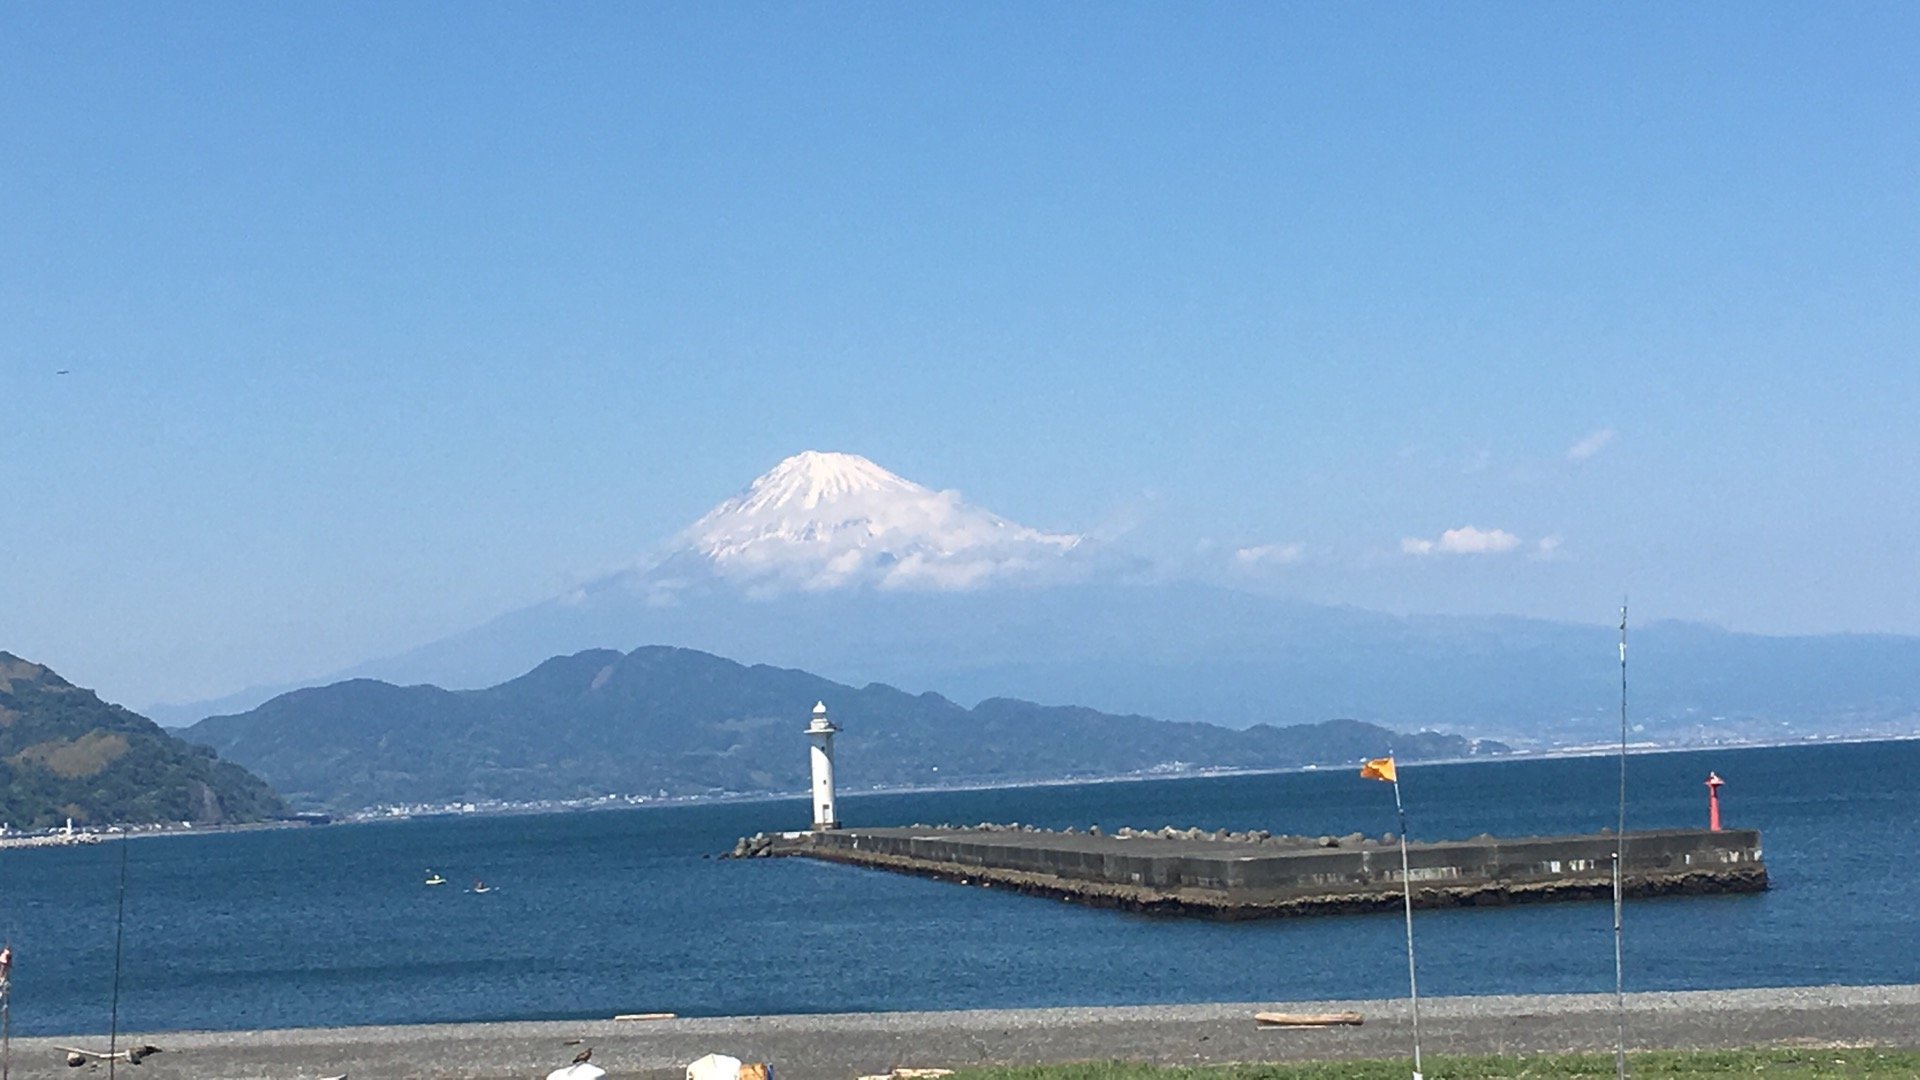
x,y
1257,875
39,840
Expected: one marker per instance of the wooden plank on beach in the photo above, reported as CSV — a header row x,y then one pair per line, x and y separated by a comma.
x,y
1280,1019
646,1016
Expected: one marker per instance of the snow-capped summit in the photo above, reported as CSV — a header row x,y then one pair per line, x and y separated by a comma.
x,y
812,477
826,520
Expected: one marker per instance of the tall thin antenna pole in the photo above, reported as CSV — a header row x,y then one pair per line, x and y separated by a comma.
x,y
119,935
1406,892
6,1006
1619,856
6,1009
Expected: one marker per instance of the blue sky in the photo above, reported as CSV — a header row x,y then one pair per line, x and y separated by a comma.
x,y
382,320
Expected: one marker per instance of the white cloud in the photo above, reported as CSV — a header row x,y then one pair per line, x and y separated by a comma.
x,y
1591,445
1468,540
1465,540
1270,554
1547,549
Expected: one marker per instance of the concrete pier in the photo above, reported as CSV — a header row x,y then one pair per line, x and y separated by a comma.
x,y
1257,877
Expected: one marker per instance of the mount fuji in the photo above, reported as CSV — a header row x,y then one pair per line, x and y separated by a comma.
x,y
822,521
831,564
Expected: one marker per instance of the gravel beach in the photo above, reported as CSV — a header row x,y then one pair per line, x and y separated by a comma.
x,y
841,1046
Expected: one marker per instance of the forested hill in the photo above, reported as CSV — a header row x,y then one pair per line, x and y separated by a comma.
x,y
64,753
686,722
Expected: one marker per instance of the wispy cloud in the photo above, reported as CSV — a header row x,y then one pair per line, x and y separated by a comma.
x,y
1465,540
1591,445
1270,555
1547,549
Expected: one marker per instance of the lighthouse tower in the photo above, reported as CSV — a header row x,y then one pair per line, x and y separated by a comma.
x,y
821,732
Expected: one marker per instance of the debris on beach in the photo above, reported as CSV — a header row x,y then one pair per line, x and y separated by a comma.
x,y
80,1055
1280,1019
901,1072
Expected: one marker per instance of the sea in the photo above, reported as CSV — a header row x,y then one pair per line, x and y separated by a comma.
x,y
596,913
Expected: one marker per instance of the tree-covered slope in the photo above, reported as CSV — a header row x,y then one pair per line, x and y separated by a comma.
x,y
681,721
64,753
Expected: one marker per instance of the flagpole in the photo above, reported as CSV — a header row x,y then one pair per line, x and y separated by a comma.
x,y
1406,893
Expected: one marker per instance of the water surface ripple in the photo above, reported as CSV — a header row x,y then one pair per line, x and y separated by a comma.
x,y
627,911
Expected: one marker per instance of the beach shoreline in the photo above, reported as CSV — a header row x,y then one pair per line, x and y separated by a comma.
x,y
839,1046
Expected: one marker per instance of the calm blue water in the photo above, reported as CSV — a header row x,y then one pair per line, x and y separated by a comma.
x,y
602,913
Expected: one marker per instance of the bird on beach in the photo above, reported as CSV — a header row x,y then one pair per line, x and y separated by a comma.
x,y
581,1057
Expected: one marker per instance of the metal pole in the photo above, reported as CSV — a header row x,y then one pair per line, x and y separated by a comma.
x,y
1619,857
1406,892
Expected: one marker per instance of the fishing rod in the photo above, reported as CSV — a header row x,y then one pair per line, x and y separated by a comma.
x,y
119,935
1619,854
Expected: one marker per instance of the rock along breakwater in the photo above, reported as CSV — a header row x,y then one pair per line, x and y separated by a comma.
x,y
1229,875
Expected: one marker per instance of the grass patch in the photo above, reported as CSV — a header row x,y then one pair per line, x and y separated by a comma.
x,y
72,759
1772,1064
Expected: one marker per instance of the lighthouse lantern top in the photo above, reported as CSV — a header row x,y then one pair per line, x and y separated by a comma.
x,y
821,725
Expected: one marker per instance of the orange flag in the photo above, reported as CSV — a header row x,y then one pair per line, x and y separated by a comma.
x,y
1378,769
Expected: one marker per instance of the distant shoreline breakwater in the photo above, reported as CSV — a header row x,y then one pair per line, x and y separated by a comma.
x,y
1250,875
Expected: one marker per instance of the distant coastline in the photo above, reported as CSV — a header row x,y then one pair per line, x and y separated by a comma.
x,y
370,815
60,838
603,803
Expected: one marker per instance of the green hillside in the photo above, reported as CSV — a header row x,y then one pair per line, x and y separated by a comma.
x,y
687,722
64,753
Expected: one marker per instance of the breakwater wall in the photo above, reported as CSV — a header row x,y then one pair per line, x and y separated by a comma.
x,y
1253,875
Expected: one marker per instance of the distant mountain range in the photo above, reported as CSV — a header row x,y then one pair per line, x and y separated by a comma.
x,y
64,754
676,721
833,564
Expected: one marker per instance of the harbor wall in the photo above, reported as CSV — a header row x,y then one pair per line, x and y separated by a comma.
x,y
1248,879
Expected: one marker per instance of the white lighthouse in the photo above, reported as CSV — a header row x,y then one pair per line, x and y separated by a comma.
x,y
821,733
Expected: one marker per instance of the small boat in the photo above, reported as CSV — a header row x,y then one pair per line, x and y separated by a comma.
x,y
435,879
480,887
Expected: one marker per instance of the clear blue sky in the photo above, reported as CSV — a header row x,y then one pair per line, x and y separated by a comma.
x,y
384,319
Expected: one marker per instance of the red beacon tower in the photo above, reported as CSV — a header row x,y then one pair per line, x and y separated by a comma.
x,y
1713,801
